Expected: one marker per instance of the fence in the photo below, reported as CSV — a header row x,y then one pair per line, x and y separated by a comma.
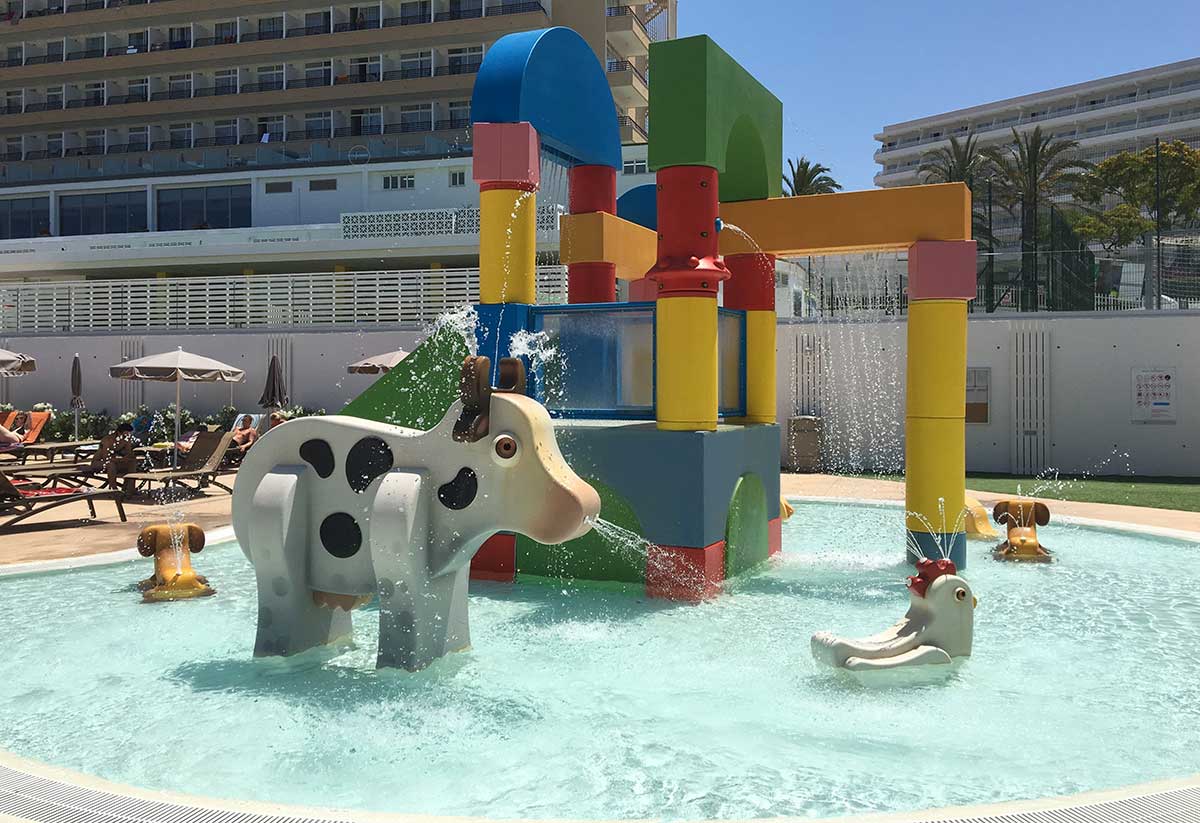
x,y
328,299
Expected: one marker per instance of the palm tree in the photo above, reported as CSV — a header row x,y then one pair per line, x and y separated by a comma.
x,y
1034,168
807,177
960,162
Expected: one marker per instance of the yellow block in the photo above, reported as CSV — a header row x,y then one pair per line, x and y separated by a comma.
x,y
879,219
605,238
936,374
686,373
507,246
760,368
935,454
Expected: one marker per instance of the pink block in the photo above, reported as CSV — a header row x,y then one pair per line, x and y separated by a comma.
x,y
941,270
643,290
507,153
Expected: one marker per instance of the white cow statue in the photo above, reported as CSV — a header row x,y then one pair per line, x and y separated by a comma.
x,y
938,628
334,510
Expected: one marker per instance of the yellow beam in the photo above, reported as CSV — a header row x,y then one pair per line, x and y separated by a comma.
x,y
879,219
598,237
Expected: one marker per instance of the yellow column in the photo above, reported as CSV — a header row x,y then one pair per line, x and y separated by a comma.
x,y
686,349
507,246
760,367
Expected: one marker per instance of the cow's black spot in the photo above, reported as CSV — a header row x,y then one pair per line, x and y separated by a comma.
x,y
340,535
368,459
317,454
459,492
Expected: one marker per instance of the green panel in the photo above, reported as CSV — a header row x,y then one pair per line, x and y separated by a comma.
x,y
709,111
417,393
746,540
591,557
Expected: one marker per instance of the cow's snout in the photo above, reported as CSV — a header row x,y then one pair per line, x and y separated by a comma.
x,y
566,512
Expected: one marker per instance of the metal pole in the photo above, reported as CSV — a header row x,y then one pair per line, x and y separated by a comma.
x,y
1036,272
990,275
1157,224
175,447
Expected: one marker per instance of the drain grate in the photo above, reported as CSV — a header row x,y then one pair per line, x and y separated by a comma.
x,y
41,800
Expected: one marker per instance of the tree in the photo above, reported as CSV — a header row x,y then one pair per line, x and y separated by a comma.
x,y
1129,177
1034,168
806,177
960,162
1114,229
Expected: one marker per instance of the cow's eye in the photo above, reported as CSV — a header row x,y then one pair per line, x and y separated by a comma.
x,y
960,594
505,446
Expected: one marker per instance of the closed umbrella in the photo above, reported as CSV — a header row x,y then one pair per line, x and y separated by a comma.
x,y
274,394
176,367
380,363
15,364
76,391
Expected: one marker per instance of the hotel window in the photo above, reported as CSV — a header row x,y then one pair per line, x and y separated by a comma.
x,y
364,17
416,63
137,42
270,129
110,213
26,217
416,117
278,187
139,138
204,207
14,101
270,28
225,132
316,22
225,81
94,139
399,181
270,78
16,55
93,93
54,97
415,12
635,167
318,74
318,123
94,46
225,32
458,178
465,60
54,51
327,184
365,69
179,37
139,89
460,113
180,135
179,85
978,391
54,144
366,121
13,147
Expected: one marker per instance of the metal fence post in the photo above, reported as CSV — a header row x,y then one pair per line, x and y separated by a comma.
x,y
1157,224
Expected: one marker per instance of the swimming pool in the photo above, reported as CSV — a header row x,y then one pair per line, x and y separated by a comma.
x,y
582,702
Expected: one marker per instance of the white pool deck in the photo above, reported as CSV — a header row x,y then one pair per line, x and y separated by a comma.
x,y
32,792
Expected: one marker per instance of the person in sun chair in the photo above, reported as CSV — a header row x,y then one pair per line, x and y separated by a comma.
x,y
245,435
116,457
140,428
186,441
274,420
13,438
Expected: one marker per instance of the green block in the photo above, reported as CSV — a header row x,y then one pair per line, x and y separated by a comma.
x,y
418,392
746,540
593,556
709,111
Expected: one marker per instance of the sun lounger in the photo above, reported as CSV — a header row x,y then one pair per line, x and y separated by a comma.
x,y
200,465
25,502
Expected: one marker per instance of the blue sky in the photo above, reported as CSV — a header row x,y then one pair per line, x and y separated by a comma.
x,y
845,68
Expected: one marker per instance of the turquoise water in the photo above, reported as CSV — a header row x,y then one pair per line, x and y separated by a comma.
x,y
582,703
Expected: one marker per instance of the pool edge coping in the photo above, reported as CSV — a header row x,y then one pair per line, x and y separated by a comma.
x,y
960,814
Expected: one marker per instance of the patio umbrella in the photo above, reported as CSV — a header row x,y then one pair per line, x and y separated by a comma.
x,y
274,394
15,364
176,367
76,391
380,363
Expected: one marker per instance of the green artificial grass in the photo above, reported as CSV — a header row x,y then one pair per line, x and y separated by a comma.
x,y
1180,493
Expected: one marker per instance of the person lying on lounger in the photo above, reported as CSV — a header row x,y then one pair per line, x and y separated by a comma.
x,y
15,436
245,435
116,456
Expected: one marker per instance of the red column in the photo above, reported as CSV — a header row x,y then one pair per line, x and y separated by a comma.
x,y
689,257
592,189
751,284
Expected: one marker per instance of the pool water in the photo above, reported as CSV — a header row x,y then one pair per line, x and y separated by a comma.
x,y
587,703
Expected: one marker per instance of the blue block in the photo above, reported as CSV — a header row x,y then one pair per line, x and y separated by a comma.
x,y
680,484
640,205
497,324
933,546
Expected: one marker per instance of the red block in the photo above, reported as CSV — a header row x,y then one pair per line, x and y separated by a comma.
x,y
941,270
774,537
496,559
687,575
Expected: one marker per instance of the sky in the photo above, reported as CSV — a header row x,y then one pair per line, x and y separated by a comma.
x,y
846,68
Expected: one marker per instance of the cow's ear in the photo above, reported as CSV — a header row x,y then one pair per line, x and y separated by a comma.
x,y
475,386
1042,513
1000,511
147,540
195,538
512,375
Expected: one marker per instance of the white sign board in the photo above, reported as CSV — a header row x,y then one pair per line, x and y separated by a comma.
x,y
1154,393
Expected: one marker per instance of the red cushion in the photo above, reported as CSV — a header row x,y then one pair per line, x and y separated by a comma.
x,y
47,492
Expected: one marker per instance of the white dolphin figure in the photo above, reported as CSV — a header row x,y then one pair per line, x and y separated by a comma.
x,y
938,627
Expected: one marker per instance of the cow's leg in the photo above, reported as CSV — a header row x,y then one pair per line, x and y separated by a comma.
x,y
288,620
398,527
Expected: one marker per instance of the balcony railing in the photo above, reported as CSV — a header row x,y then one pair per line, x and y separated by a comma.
x,y
88,5
46,12
267,85
621,66
311,134
460,14
357,25
309,31
623,121
15,61
262,137
128,49
86,102
627,11
224,40
43,154
369,130
310,82
266,34
514,8
86,54
42,59
85,151
172,94
453,123
411,127
51,106
123,99
173,143
368,77
10,109
468,67
407,20
219,140
409,73
10,157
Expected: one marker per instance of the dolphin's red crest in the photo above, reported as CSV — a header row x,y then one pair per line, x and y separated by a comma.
x,y
927,572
